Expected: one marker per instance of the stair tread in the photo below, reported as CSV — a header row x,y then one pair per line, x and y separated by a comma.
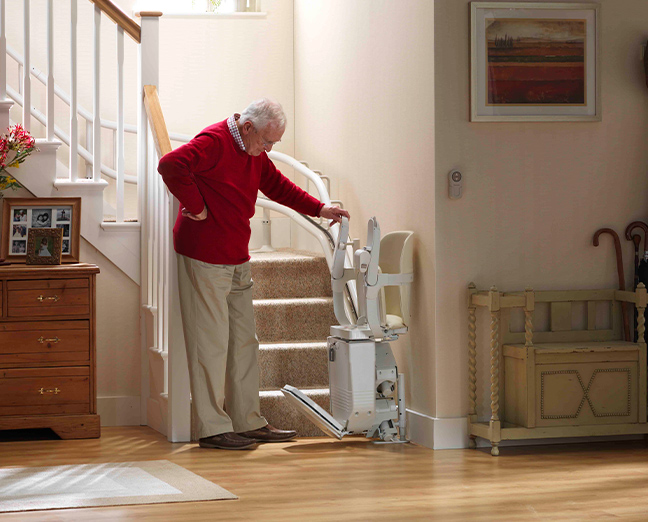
x,y
282,254
294,300
306,345
307,391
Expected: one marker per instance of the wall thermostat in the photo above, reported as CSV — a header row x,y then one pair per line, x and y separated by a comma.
x,y
455,184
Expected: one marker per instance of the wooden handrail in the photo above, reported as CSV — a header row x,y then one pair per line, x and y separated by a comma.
x,y
156,120
130,26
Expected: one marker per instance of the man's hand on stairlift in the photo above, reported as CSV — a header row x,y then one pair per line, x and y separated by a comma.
x,y
196,217
334,212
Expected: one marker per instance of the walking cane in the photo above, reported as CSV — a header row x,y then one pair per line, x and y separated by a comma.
x,y
640,264
619,260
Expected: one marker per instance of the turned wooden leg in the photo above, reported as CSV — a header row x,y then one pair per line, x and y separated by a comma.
x,y
495,449
472,442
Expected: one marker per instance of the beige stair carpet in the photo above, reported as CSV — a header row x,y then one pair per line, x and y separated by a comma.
x,y
294,312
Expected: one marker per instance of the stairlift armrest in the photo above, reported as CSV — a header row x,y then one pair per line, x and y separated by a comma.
x,y
388,280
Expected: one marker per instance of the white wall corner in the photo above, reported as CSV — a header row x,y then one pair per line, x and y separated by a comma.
x,y
437,433
119,411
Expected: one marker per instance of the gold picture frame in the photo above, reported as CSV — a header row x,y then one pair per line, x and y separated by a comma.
x,y
44,246
20,215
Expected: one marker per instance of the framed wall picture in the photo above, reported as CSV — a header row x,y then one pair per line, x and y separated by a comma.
x,y
44,246
535,61
20,215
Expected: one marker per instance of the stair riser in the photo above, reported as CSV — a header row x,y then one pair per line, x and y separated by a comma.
x,y
280,414
293,322
290,279
299,367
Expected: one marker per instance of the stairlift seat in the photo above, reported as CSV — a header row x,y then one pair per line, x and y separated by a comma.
x,y
396,257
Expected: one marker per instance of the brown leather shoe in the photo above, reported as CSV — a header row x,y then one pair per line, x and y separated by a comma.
x,y
229,440
269,434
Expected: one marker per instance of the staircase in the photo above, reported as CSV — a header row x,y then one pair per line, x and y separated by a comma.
x,y
293,310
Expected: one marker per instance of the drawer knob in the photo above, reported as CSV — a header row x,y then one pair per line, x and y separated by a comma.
x,y
55,391
54,340
48,298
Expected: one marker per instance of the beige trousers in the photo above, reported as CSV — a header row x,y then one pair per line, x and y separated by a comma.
x,y
222,347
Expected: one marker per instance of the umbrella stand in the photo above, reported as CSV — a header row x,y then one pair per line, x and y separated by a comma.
x,y
619,260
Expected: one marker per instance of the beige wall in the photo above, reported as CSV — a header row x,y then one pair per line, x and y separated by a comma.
x,y
370,112
364,90
535,192
118,339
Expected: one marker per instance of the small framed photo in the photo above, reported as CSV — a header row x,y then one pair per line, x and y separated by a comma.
x,y
533,61
22,215
44,246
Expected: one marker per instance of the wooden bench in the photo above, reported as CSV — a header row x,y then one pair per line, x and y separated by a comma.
x,y
576,377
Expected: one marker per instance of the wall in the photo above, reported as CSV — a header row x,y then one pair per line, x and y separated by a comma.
x,y
535,192
364,91
118,342
217,66
372,114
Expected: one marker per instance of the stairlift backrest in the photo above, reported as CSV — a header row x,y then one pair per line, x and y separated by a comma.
x,y
397,257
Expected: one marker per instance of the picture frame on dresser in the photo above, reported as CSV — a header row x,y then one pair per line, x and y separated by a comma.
x,y
535,61
20,215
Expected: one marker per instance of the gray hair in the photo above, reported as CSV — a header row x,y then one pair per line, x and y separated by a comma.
x,y
264,112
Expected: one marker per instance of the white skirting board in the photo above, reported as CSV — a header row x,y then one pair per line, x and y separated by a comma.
x,y
452,433
119,411
437,433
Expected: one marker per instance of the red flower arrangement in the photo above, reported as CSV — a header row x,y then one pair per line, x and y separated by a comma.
x,y
15,147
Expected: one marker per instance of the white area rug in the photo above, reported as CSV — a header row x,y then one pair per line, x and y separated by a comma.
x,y
114,484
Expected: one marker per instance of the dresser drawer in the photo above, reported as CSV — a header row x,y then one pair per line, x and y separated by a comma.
x,y
45,391
59,342
43,298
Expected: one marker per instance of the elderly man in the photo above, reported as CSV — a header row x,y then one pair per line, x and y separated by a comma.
x,y
216,177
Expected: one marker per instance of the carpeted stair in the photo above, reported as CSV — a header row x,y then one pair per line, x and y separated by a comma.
x,y
293,309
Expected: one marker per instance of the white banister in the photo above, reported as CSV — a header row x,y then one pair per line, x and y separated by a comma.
x,y
74,122
82,151
120,125
50,70
26,73
3,52
96,99
89,141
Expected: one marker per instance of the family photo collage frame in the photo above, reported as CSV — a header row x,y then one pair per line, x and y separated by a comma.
x,y
40,231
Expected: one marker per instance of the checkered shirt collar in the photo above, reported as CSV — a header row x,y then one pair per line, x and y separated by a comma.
x,y
231,123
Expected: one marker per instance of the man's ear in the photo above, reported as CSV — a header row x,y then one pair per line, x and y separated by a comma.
x,y
246,127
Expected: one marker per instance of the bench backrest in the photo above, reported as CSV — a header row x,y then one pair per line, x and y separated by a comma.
x,y
567,316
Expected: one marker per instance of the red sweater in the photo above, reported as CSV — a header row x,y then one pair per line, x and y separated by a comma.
x,y
212,170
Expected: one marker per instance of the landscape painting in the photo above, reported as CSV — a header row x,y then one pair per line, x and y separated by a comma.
x,y
536,62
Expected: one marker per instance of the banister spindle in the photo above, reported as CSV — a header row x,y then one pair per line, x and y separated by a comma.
x,y
50,70
3,52
96,124
120,125
26,69
74,122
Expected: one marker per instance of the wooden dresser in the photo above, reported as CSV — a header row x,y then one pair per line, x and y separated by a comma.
x,y
47,349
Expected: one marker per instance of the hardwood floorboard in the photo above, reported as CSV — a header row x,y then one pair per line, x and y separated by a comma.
x,y
355,480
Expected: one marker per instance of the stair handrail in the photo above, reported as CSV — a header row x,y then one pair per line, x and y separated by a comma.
x,y
156,120
114,12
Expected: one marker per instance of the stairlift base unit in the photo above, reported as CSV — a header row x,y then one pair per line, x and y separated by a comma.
x,y
356,405
363,376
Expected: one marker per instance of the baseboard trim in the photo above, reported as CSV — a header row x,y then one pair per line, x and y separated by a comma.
x,y
119,410
435,432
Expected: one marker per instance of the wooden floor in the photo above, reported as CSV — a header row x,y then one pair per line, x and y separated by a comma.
x,y
352,479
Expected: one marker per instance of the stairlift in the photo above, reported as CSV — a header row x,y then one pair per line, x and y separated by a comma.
x,y
363,375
